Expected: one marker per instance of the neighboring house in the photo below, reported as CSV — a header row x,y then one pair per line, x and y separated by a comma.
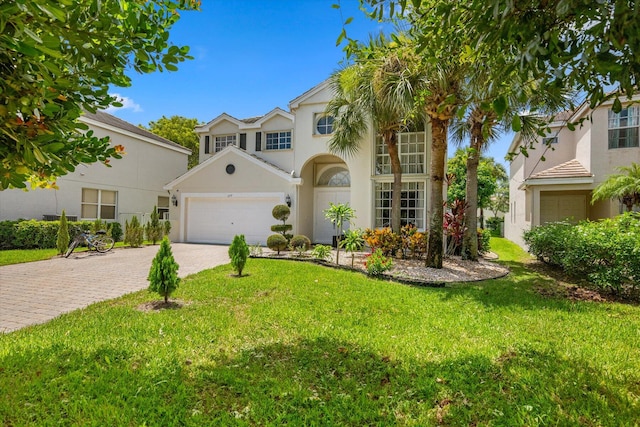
x,y
560,186
131,186
248,166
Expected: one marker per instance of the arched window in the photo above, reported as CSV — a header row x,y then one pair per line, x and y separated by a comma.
x,y
335,177
324,125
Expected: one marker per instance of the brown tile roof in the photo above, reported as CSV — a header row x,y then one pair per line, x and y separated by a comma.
x,y
108,119
570,169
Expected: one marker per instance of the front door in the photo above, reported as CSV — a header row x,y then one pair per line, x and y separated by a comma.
x,y
323,229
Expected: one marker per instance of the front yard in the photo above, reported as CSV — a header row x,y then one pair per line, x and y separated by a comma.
x,y
302,344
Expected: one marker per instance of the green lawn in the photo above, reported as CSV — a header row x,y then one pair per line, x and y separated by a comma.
x,y
300,344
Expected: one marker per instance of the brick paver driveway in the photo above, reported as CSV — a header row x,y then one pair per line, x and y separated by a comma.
x,y
36,292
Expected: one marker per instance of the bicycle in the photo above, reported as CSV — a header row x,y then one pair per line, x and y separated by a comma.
x,y
99,241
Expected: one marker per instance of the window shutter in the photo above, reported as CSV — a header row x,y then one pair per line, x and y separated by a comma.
x,y
258,141
243,141
207,145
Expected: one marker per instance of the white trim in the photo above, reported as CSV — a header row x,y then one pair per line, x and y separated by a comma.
x,y
242,125
233,150
295,102
133,135
555,181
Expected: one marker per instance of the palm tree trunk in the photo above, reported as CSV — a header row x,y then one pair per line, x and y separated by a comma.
x,y
470,238
391,140
438,155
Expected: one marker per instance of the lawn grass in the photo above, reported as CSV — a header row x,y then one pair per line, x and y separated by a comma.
x,y
301,344
17,256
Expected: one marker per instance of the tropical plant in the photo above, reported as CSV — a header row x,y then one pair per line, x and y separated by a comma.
x,y
377,263
153,228
163,275
352,242
238,253
322,252
624,186
339,215
376,90
62,57
62,242
281,213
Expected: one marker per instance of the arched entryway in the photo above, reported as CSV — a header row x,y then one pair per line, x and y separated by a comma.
x,y
330,183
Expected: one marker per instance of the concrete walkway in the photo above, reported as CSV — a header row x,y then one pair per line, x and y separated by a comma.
x,y
37,292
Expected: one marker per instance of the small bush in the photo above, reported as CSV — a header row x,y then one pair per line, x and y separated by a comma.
x,y
281,213
238,253
300,241
62,242
384,239
549,242
484,239
134,233
255,250
277,242
377,263
322,252
163,276
153,228
166,228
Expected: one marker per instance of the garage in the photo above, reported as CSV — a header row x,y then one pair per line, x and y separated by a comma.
x,y
219,219
560,207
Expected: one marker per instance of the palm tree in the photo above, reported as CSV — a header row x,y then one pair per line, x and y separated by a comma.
x,y
624,186
377,89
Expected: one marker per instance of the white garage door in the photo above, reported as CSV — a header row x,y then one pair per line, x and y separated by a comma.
x,y
559,208
218,220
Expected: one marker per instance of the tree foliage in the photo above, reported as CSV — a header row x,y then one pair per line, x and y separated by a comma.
x,y
154,229
339,215
163,275
60,57
238,253
180,130
624,186
489,173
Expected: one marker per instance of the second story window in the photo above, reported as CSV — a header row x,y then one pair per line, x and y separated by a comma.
x,y
623,128
324,125
412,152
224,141
278,141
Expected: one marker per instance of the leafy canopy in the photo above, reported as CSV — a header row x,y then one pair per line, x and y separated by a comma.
x,y
489,173
58,58
180,130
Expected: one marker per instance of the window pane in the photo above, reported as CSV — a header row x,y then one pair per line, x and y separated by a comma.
x,y
89,211
108,212
108,197
89,195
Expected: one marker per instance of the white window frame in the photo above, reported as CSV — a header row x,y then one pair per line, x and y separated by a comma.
x,y
283,140
624,126
223,141
328,128
412,150
414,210
99,204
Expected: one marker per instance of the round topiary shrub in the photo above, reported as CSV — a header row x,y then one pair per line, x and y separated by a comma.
x,y
300,241
277,242
281,212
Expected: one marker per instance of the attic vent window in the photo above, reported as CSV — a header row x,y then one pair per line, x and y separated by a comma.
x,y
230,169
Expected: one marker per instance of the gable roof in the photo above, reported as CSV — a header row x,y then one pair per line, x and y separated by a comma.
x,y
232,150
248,123
109,121
295,102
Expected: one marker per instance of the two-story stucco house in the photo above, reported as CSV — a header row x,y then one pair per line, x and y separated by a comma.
x,y
133,185
247,166
559,186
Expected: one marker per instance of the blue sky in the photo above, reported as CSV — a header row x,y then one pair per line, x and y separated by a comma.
x,y
250,56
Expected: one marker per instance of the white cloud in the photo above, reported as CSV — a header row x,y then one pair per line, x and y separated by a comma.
x,y
127,103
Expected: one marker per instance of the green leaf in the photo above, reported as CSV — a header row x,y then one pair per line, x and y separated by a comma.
x,y
516,124
500,105
617,105
53,11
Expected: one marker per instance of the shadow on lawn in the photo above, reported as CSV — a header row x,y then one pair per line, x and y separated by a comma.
x,y
312,382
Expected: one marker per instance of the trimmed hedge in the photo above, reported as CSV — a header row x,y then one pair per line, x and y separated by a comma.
x,y
33,234
606,252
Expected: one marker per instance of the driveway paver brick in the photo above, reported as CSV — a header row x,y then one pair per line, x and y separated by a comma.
x,y
37,292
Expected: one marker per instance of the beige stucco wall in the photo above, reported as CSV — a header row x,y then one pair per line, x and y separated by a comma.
x,y
138,178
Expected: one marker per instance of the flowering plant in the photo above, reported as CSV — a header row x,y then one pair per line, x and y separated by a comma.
x,y
376,263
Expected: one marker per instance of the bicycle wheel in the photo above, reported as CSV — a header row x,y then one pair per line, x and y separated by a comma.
x,y
72,246
103,243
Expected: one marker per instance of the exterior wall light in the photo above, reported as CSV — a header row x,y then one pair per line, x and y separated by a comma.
x,y
287,200
174,200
